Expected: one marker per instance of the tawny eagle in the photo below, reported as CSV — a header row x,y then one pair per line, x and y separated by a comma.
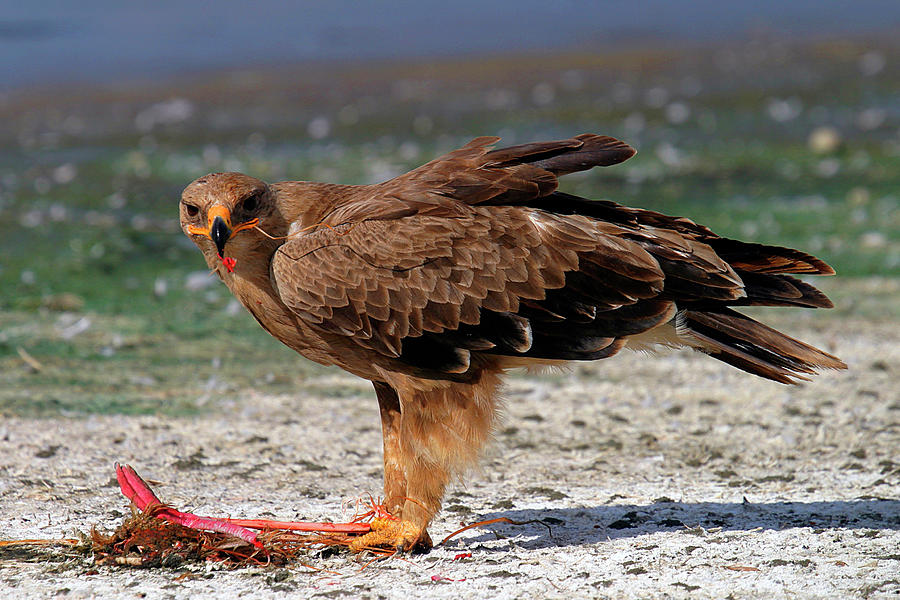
x,y
433,284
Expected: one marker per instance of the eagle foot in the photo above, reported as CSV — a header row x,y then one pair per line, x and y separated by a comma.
x,y
393,533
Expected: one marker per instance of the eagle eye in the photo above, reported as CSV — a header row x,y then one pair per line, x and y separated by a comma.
x,y
191,210
251,203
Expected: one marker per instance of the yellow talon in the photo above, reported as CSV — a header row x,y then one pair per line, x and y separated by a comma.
x,y
393,533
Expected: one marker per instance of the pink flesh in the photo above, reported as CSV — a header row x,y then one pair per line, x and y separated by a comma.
x,y
301,526
136,489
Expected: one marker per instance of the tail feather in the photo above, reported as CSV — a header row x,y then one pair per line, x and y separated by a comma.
x,y
762,258
753,347
764,289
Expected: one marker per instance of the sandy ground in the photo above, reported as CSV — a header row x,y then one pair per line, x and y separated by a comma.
x,y
673,476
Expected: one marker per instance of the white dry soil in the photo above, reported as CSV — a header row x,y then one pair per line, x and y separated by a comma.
x,y
671,476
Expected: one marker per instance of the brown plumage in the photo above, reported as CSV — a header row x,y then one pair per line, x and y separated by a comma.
x,y
433,283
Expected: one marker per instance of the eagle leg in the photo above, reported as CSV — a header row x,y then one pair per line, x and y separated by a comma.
x,y
390,529
433,431
394,476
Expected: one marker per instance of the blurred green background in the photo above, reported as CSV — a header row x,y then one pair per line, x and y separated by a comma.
x,y
106,307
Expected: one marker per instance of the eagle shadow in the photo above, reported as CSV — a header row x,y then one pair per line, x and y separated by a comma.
x,y
560,527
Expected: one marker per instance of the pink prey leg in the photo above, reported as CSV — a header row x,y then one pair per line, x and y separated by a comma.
x,y
136,489
302,526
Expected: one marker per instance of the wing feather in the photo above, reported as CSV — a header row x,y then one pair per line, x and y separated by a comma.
x,y
476,252
475,283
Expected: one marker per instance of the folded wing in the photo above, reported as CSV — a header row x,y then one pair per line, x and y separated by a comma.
x,y
476,254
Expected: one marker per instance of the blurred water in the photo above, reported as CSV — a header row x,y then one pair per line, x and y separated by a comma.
x,y
49,41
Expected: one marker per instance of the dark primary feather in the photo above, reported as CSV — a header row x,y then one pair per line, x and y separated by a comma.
x,y
749,345
563,157
476,253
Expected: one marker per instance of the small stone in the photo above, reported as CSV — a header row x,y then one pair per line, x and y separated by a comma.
x,y
824,140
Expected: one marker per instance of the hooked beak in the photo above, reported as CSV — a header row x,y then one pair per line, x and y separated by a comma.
x,y
219,232
218,227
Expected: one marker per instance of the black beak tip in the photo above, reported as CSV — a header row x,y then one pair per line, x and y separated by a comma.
x,y
219,232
